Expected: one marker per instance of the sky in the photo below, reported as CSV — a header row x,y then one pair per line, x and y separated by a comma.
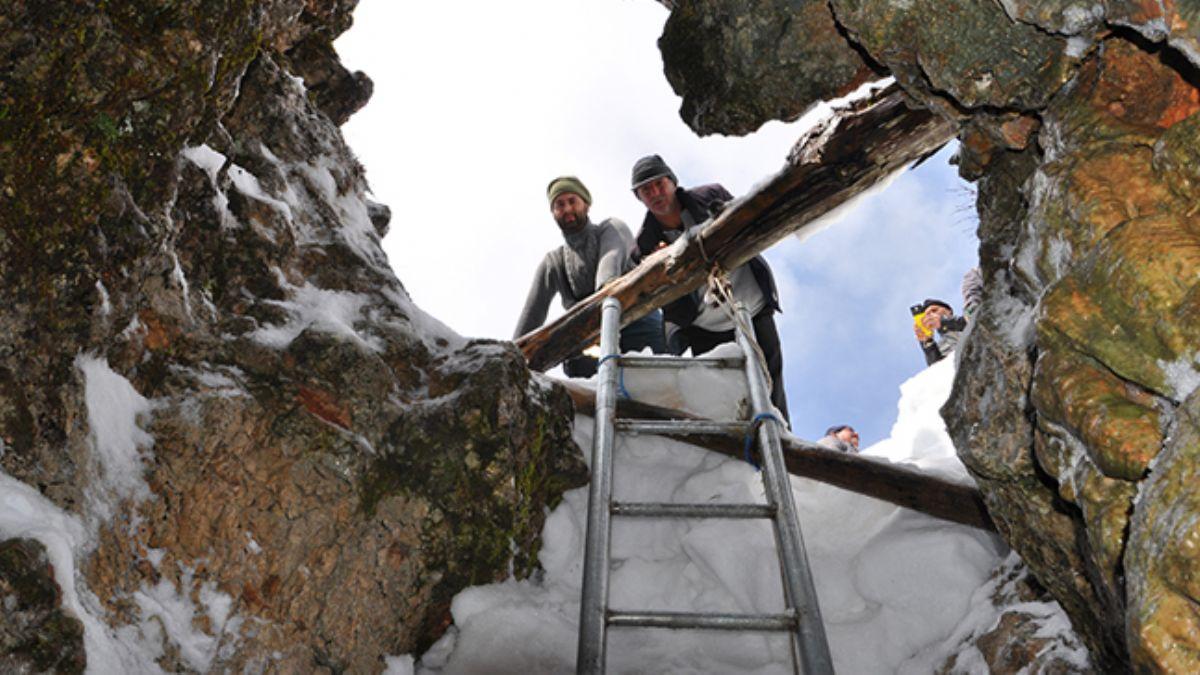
x,y
478,104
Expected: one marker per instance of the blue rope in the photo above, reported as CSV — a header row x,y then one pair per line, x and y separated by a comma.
x,y
754,424
621,390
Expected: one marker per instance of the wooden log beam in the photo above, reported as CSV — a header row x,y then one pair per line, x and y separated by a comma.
x,y
851,151
894,483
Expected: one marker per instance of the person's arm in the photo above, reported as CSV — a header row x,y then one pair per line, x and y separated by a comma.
x,y
932,353
615,242
931,323
953,324
537,303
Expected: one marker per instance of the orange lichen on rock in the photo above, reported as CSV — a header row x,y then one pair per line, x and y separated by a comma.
x,y
324,405
1135,87
1116,422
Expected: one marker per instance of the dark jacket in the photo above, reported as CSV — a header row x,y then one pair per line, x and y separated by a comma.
x,y
699,202
950,333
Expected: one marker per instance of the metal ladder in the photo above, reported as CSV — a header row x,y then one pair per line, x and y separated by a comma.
x,y
801,618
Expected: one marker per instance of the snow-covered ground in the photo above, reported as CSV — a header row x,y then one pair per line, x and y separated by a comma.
x,y
899,591
895,586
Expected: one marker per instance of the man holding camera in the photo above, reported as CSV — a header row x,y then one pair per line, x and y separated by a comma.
x,y
937,329
936,318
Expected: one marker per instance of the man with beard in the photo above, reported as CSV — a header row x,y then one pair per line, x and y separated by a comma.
x,y
591,256
699,320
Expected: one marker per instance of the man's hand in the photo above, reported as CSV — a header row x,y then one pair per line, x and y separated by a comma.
x,y
932,321
920,334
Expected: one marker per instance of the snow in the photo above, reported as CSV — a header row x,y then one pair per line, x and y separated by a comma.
x,y
181,279
435,334
310,307
115,412
247,183
26,513
223,382
1182,375
252,545
1051,621
209,160
1017,318
165,610
398,665
919,435
1077,46
105,304
118,443
357,229
1078,18
1155,29
331,311
897,589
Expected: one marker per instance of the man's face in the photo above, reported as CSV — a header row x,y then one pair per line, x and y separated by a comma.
x,y
569,211
938,311
848,435
658,195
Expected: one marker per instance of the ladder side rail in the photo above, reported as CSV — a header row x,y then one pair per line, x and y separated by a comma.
x,y
810,639
591,656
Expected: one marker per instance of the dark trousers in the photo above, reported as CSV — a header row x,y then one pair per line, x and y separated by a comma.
x,y
702,341
645,332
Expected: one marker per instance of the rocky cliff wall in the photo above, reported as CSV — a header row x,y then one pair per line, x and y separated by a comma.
x,y
207,363
1076,400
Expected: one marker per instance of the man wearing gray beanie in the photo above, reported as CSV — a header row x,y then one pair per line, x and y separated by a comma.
x,y
591,256
697,320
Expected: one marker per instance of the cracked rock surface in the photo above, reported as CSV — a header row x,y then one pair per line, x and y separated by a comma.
x,y
1075,404
206,362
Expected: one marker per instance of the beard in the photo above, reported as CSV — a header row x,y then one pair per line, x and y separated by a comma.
x,y
571,222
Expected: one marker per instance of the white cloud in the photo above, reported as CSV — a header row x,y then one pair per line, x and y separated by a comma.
x,y
479,104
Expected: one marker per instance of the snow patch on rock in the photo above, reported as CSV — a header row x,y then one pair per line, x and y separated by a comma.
x,y
119,444
310,307
1182,375
169,612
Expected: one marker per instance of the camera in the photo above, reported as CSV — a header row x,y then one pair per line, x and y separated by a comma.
x,y
918,313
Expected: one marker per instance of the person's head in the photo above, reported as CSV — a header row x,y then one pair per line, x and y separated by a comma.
x,y
569,202
654,185
844,432
937,308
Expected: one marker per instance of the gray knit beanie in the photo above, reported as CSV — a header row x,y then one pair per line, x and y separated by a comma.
x,y
650,167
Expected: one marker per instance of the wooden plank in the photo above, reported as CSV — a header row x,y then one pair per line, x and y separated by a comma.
x,y
894,483
853,150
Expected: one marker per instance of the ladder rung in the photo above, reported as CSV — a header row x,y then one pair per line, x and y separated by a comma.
x,y
663,510
737,429
676,362
785,621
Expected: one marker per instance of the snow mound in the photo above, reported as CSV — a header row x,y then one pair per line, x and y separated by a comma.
x,y
892,584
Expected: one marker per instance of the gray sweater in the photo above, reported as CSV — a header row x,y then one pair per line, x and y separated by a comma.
x,y
586,261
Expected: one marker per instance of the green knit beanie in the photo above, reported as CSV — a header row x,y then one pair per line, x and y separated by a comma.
x,y
567,184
